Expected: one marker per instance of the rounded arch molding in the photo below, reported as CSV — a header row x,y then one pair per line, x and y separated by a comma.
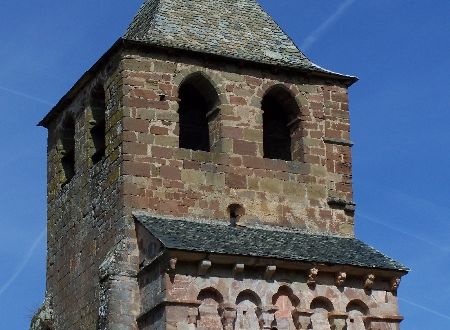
x,y
213,78
291,89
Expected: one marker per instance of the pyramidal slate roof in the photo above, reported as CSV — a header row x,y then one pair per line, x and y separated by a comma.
x,y
265,242
239,29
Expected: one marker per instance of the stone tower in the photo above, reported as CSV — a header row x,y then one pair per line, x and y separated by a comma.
x,y
199,177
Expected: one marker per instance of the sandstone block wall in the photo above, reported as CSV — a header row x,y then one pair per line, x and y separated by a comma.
x,y
313,191
92,258
85,215
224,299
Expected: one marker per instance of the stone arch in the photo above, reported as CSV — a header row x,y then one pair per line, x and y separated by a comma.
x,y
322,303
357,310
282,129
321,307
358,305
214,79
209,315
199,127
247,308
286,302
67,138
97,122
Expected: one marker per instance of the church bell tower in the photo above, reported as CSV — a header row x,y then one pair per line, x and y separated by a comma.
x,y
199,177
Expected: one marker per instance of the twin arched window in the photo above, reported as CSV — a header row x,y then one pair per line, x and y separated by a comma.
x,y
197,108
97,104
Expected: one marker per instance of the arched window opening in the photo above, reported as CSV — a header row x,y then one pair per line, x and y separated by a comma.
x,y
98,124
198,105
286,302
246,304
280,124
321,307
357,310
68,149
209,317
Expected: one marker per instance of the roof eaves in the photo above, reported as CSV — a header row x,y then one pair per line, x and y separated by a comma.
x,y
315,70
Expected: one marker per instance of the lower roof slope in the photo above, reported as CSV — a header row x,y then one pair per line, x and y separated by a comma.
x,y
277,243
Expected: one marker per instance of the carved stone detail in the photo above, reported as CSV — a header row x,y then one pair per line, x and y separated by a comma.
x,y
340,279
395,283
369,281
312,276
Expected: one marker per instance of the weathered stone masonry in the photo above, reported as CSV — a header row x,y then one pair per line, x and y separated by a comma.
x,y
144,234
164,179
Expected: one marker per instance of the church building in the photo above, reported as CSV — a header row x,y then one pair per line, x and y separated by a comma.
x,y
199,178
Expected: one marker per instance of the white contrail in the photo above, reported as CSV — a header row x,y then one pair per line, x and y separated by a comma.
x,y
315,35
425,308
416,237
24,262
30,97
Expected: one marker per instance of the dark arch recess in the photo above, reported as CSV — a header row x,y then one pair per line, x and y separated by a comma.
x,y
198,105
322,302
280,121
98,123
68,148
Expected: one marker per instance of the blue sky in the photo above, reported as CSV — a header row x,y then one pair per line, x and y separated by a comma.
x,y
400,112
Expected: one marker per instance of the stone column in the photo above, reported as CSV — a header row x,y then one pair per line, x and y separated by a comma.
x,y
338,321
304,319
228,316
267,316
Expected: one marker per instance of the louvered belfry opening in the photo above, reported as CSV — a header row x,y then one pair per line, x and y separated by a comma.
x,y
68,149
98,126
280,113
198,102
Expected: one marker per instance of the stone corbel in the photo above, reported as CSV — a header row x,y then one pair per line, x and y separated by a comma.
x,y
340,279
203,267
368,282
395,283
312,276
340,203
172,264
238,269
267,316
269,272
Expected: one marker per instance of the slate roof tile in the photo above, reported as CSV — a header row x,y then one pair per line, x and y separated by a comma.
x,y
239,29
265,242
